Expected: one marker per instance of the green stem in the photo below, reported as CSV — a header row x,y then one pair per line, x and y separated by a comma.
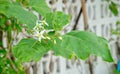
x,y
8,49
1,45
10,40
9,53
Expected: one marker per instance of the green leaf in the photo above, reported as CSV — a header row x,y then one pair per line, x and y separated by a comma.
x,y
118,22
116,32
59,50
30,50
57,20
113,8
17,11
77,43
4,2
3,51
40,6
2,22
82,44
0,70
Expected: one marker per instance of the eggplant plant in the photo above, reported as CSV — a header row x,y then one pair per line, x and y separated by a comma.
x,y
42,35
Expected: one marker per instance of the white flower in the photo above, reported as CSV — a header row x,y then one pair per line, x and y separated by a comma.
x,y
39,30
39,35
43,22
38,26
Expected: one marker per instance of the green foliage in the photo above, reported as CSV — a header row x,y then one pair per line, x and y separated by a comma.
x,y
113,8
13,9
78,43
40,6
5,63
116,72
54,22
117,30
85,43
30,50
118,23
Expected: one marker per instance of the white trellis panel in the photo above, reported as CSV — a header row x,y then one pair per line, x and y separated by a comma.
x,y
100,21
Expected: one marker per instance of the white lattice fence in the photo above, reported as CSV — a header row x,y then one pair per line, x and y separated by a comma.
x,y
100,21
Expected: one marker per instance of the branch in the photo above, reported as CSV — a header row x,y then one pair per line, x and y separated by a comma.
x,y
78,17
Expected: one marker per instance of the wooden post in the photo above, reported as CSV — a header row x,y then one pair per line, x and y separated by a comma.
x,y
84,14
86,28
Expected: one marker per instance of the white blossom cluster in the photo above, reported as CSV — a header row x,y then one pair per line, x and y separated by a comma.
x,y
39,31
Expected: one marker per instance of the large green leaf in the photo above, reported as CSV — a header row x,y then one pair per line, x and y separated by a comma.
x,y
82,44
57,20
16,11
59,50
75,43
4,2
113,8
40,6
30,50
